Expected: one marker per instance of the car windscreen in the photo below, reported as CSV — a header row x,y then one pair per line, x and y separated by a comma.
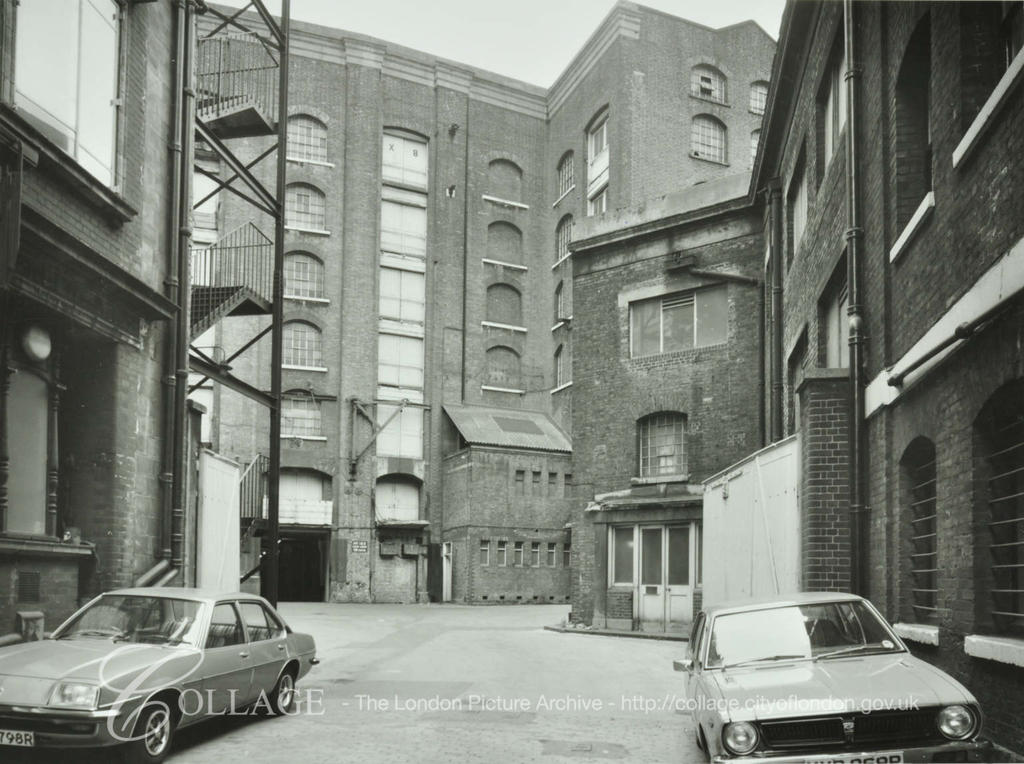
x,y
818,631
136,618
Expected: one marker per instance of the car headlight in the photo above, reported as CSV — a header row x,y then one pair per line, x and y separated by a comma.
x,y
740,737
75,695
956,722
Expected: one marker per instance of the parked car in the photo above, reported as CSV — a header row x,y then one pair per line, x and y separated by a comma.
x,y
821,677
134,665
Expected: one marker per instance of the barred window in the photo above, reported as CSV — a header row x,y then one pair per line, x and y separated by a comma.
x,y
307,138
1000,439
758,96
563,235
565,174
300,417
707,138
919,483
707,82
303,276
303,345
305,207
661,444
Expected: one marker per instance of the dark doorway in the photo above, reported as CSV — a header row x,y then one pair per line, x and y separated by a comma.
x,y
303,562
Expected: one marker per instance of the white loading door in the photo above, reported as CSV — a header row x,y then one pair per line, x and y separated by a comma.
x,y
679,573
652,579
446,567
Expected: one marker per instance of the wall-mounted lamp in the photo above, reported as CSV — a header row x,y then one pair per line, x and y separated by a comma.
x,y
36,343
452,129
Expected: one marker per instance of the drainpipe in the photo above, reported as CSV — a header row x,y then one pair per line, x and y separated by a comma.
x,y
775,212
172,290
186,120
858,337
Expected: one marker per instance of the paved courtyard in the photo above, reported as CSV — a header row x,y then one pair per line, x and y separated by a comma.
x,y
432,683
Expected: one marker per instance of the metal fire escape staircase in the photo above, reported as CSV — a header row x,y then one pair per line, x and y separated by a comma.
x,y
240,83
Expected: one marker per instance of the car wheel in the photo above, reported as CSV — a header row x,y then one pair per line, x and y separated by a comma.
x,y
282,697
701,742
154,731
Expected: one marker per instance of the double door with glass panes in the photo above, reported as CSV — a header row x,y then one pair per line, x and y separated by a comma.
x,y
660,563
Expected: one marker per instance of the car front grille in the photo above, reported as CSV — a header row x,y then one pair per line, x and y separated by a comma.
x,y
885,728
47,726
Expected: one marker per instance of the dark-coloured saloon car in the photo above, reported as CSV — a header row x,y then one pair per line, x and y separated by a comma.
x,y
134,665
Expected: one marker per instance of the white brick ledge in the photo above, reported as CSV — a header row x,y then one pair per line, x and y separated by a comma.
x,y
1000,95
922,212
918,632
1001,649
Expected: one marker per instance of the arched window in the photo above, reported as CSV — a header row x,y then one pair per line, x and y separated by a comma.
x,y
397,498
999,511
563,235
565,174
307,138
300,415
707,138
561,372
504,243
661,444
505,180
305,207
302,346
758,96
560,313
755,137
504,368
304,486
920,524
707,82
303,276
504,305
913,150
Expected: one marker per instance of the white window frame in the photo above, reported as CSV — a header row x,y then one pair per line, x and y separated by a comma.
x,y
307,139
709,84
312,428
648,428
671,301
314,276
758,97
313,217
302,346
597,158
709,139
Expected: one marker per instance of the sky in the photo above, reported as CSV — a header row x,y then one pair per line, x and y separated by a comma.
x,y
530,40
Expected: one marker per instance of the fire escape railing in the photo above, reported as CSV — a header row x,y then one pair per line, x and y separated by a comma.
x,y
235,71
241,260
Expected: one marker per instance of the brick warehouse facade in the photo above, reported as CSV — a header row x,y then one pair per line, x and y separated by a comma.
x,y
85,211
927,426
504,171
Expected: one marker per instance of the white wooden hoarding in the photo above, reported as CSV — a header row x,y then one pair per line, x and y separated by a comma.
x,y
751,543
218,563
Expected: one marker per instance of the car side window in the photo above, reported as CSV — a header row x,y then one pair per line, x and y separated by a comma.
x,y
276,624
260,625
225,628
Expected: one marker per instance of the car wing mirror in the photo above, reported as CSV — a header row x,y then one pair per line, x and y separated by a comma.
x,y
686,664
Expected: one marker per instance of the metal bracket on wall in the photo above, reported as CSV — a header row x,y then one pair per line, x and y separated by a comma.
x,y
367,411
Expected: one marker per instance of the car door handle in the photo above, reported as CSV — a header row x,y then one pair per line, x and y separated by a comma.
x,y
280,647
243,655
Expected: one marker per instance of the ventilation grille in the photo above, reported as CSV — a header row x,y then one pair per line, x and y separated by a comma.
x,y
28,586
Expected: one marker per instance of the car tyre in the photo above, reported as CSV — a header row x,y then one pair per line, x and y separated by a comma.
x,y
282,697
702,743
155,731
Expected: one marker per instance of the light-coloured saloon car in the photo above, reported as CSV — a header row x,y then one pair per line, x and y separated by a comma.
x,y
133,665
820,677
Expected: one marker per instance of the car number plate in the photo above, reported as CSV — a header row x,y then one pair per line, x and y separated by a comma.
x,y
17,737
879,757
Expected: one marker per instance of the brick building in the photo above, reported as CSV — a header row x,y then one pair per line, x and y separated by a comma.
x,y
87,297
894,218
428,281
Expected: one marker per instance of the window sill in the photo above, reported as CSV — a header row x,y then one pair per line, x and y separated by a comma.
x,y
561,322
1000,649
1011,77
42,546
315,300
925,634
565,193
657,479
506,327
315,438
503,264
114,208
921,214
314,162
708,99
695,155
311,231
504,202
560,388
512,390
756,113
296,367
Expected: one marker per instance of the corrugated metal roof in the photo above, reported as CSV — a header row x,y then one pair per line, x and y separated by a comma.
x,y
484,426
